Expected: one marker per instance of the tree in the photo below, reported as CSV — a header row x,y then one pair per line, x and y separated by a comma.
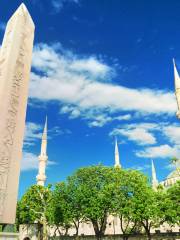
x,y
149,208
93,189
74,204
61,209
173,204
34,207
128,184
136,203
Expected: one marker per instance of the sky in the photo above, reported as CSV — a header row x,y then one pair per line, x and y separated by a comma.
x,y
101,69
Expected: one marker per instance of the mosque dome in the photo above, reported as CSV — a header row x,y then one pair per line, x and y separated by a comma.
x,y
174,174
172,178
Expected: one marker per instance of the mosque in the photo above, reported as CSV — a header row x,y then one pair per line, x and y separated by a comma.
x,y
113,223
171,179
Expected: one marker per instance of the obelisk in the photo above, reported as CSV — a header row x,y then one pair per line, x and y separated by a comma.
x,y
15,64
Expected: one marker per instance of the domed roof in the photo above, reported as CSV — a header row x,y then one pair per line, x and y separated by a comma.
x,y
174,174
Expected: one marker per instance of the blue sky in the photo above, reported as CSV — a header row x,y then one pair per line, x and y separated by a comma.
x,y
101,69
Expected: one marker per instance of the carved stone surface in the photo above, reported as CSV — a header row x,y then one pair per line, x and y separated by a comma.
x,y
15,63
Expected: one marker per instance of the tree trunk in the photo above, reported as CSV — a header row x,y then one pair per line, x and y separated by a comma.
x,y
96,229
125,237
66,231
149,236
77,228
40,234
99,231
54,235
45,232
59,232
103,226
147,227
148,233
3,227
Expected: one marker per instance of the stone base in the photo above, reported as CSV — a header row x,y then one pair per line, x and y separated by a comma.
x,y
9,236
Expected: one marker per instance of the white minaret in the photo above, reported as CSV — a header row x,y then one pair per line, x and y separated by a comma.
x,y
177,88
154,178
41,177
117,162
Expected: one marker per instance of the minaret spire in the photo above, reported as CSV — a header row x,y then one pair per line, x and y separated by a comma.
x,y
177,88
154,178
41,177
117,161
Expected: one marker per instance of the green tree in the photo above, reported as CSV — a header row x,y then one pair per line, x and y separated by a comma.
x,y
149,209
173,204
61,216
74,205
34,207
136,203
93,189
128,184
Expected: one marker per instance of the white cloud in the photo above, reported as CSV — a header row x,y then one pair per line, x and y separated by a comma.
x,y
94,117
58,4
172,132
33,132
139,133
30,162
162,151
100,121
141,168
91,66
148,134
123,117
84,84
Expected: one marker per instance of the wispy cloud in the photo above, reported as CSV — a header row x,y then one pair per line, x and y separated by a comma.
x,y
84,84
141,168
59,4
162,151
31,162
139,133
93,117
33,132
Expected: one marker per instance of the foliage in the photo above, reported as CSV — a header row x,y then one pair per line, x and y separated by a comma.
x,y
149,208
173,204
93,193
128,184
93,189
61,211
34,207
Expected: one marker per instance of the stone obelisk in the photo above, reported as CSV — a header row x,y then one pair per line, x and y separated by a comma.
x,y
15,64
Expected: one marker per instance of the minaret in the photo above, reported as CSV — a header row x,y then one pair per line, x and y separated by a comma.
x,y
154,178
177,88
41,177
117,162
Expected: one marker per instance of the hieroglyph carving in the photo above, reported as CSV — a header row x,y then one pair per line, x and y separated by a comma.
x,y
15,59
